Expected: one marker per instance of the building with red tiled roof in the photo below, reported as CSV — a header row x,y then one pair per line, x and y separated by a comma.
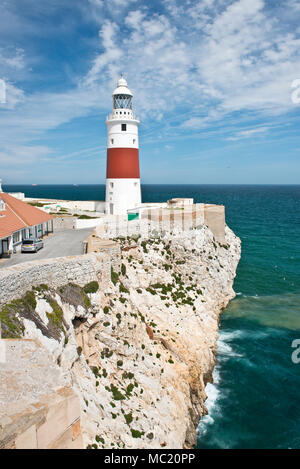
x,y
19,220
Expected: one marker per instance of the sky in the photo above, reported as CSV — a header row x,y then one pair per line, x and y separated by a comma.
x,y
216,87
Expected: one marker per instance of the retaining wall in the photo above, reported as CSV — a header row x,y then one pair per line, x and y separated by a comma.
x,y
79,224
37,409
165,219
16,280
63,223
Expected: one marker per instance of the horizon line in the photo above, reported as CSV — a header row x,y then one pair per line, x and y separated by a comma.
x,y
153,184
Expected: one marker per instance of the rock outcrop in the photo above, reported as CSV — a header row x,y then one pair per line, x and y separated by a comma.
x,y
140,352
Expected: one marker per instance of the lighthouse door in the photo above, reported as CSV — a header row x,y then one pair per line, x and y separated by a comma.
x,y
111,209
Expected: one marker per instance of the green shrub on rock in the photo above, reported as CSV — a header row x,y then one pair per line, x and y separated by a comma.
x,y
136,433
91,287
117,395
56,317
123,289
12,328
123,269
114,276
128,418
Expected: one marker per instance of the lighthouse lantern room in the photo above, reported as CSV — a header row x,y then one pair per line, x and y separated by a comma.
x,y
123,189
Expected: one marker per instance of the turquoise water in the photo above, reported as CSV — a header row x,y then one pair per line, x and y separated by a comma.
x,y
254,401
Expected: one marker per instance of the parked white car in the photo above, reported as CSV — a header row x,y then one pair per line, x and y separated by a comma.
x,y
31,245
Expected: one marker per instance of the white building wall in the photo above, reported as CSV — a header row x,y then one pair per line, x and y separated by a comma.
x,y
118,138
123,193
89,223
18,195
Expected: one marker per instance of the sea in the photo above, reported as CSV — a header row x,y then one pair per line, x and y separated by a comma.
x,y
254,401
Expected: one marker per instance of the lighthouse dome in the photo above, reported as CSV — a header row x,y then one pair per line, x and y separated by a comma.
x,y
122,87
122,81
122,96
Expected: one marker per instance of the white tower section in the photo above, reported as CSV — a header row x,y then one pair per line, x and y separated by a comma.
x,y
123,189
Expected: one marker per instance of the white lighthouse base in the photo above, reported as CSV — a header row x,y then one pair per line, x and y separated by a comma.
x,y
121,195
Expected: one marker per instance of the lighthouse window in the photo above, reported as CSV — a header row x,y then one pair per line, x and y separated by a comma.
x,y
123,127
122,101
133,141
112,141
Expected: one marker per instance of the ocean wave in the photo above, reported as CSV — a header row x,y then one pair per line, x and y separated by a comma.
x,y
213,395
226,336
225,350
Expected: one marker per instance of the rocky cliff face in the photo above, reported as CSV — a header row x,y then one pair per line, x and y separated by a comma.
x,y
140,353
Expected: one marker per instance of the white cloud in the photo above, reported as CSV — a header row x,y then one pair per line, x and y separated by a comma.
x,y
293,5
40,112
16,155
107,59
194,123
122,3
248,133
13,97
194,64
14,61
240,60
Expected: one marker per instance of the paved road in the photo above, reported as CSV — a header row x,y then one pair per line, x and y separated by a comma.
x,y
62,243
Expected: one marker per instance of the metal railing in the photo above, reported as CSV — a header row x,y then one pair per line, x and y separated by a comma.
x,y
114,116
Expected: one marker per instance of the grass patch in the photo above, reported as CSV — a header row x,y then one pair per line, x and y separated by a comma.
x,y
123,269
128,418
12,328
117,395
123,289
136,433
91,287
114,276
56,317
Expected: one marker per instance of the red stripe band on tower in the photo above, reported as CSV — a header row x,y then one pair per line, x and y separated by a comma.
x,y
122,163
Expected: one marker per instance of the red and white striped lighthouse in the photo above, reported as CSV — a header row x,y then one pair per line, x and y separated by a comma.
x,y
123,188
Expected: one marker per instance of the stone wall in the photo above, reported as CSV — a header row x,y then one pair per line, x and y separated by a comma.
x,y
80,224
63,223
161,219
38,408
189,217
16,280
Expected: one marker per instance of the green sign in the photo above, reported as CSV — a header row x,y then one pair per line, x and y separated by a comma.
x,y
133,216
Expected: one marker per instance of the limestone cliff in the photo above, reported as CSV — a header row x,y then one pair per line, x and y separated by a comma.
x,y
140,352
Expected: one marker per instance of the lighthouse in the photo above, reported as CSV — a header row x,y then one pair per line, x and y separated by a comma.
x,y
123,188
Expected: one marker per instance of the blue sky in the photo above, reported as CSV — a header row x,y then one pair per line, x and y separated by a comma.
x,y
216,85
